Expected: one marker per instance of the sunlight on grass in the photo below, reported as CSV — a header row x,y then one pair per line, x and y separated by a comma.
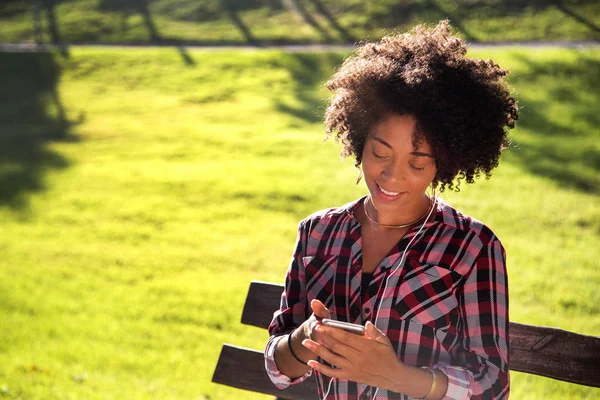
x,y
276,22
132,229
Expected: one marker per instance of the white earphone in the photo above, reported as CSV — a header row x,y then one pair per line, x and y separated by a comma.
x,y
398,265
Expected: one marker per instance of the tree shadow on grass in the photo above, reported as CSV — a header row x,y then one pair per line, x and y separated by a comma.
x,y
581,19
33,116
127,8
379,15
455,18
141,7
344,33
560,150
309,72
53,24
298,8
231,11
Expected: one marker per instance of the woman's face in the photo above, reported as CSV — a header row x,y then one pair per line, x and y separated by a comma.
x,y
396,173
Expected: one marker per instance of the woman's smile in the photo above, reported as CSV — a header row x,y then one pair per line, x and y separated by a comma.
x,y
387,193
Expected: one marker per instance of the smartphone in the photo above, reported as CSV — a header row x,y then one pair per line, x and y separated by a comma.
x,y
347,326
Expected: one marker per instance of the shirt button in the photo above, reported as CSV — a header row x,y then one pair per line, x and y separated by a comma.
x,y
367,310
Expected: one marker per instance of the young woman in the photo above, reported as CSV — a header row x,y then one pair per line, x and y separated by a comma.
x,y
427,282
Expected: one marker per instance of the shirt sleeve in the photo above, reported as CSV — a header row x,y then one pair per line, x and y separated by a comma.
x,y
483,306
293,311
280,380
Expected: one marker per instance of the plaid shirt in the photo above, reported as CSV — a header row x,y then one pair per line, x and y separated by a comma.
x,y
446,307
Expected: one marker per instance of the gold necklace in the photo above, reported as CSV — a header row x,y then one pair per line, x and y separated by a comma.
x,y
431,201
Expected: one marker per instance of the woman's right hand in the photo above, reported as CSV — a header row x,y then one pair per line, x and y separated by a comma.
x,y
285,359
319,312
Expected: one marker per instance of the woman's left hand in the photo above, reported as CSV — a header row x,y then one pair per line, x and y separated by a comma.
x,y
369,359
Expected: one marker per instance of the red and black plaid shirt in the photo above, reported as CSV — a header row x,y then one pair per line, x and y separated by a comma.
x,y
446,307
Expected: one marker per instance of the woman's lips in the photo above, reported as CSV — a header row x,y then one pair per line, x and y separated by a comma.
x,y
386,194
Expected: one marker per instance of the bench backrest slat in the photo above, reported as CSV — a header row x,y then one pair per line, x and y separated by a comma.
x,y
261,302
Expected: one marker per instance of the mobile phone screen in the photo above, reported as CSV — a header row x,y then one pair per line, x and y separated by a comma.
x,y
354,328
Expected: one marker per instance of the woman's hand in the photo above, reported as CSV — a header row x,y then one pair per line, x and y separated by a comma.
x,y
369,359
319,312
286,362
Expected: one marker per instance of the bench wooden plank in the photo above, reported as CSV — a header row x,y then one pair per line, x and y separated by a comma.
x,y
549,352
262,297
555,353
245,369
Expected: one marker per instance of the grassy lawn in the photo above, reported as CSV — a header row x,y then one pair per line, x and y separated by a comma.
x,y
292,21
141,191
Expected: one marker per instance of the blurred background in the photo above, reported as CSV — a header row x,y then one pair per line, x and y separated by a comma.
x,y
263,22
159,155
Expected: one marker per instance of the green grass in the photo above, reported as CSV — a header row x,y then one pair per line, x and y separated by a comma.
x,y
293,21
134,219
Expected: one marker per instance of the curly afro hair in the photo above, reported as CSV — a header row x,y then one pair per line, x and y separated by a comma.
x,y
462,106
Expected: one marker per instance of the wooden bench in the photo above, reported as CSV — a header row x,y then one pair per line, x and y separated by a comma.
x,y
549,352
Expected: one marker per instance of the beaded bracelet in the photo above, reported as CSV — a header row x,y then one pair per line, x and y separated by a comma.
x,y
433,384
289,342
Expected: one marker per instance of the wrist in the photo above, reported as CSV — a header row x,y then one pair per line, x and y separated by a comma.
x,y
434,382
297,336
402,375
415,382
304,330
291,349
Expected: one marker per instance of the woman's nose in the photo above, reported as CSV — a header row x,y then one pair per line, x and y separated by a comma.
x,y
393,172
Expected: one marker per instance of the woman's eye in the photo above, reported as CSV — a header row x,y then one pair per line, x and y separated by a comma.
x,y
416,168
378,155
